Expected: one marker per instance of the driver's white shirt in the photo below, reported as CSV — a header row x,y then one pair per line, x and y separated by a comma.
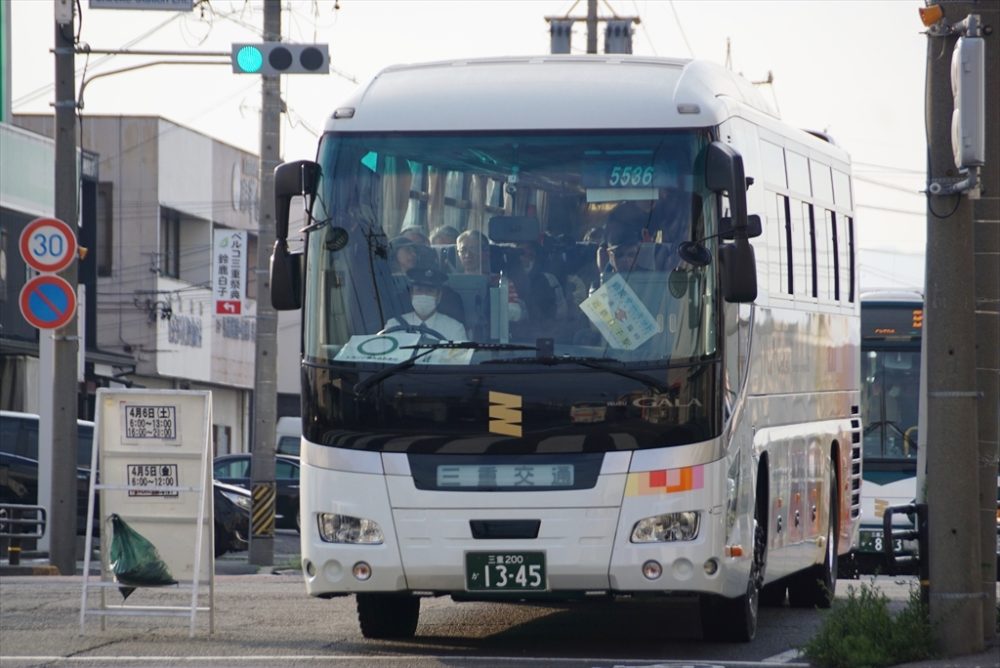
x,y
446,326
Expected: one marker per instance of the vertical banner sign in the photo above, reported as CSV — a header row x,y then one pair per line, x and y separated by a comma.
x,y
229,271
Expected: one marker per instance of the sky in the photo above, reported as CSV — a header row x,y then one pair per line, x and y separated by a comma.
x,y
854,69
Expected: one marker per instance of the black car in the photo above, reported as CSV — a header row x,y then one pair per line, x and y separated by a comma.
x,y
235,470
19,481
232,517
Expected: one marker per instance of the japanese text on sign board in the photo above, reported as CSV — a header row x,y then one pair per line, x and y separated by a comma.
x,y
229,269
151,475
159,422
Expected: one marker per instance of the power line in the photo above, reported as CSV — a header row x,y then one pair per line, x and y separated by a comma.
x,y
874,207
890,186
680,28
891,168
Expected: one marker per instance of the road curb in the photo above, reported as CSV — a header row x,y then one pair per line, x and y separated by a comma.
x,y
28,569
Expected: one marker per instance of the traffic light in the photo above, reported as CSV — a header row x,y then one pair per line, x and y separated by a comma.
x,y
968,87
281,58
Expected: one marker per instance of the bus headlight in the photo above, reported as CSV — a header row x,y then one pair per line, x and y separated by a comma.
x,y
335,528
667,527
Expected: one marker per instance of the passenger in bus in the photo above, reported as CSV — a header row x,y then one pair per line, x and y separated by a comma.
x,y
473,250
416,235
628,228
443,240
426,286
541,293
404,255
445,235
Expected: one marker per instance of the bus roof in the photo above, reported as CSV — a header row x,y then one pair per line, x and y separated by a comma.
x,y
547,93
906,296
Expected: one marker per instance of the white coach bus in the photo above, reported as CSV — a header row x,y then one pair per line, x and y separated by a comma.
x,y
635,373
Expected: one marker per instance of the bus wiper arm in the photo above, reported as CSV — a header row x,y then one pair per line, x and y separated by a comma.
x,y
362,388
598,363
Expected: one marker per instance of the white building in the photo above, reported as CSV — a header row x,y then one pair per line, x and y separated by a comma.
x,y
162,191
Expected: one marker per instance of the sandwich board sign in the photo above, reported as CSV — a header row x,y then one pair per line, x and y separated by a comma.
x,y
151,473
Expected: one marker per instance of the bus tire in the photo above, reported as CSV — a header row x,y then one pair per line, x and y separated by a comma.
x,y
815,586
384,616
735,619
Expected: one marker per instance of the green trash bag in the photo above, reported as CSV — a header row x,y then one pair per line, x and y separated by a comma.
x,y
135,561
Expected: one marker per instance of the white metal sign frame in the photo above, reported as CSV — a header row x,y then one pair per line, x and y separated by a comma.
x,y
152,450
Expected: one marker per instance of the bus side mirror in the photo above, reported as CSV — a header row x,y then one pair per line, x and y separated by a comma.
x,y
286,277
754,227
292,179
738,271
738,265
724,173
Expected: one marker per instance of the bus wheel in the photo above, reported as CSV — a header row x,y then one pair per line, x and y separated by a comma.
x,y
815,586
388,615
735,619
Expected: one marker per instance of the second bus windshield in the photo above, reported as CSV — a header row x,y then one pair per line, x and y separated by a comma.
x,y
890,403
512,239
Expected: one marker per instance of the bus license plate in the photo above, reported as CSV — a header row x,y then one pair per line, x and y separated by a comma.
x,y
505,571
873,540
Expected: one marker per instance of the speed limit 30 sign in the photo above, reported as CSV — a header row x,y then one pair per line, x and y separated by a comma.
x,y
48,244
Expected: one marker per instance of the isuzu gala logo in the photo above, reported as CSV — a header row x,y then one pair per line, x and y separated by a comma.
x,y
505,414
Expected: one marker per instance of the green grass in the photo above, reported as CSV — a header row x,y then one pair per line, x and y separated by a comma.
x,y
861,630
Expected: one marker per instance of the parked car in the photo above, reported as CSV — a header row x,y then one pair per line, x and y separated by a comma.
x,y
236,470
232,517
19,480
288,436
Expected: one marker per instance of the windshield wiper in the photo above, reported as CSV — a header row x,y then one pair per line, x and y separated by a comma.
x,y
598,363
362,388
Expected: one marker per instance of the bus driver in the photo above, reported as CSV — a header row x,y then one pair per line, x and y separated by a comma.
x,y
425,295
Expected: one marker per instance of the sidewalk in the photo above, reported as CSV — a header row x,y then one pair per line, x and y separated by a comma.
x,y
988,658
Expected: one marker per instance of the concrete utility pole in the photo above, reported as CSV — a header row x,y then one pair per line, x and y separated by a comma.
x,y
986,239
265,367
617,37
62,502
591,26
958,603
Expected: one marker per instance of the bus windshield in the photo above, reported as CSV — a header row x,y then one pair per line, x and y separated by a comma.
x,y
528,245
890,403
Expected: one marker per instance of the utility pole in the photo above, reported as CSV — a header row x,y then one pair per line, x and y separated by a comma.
x,y
986,236
953,457
617,36
64,344
591,26
265,366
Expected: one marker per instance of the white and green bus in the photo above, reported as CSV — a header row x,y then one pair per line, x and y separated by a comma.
x,y
648,385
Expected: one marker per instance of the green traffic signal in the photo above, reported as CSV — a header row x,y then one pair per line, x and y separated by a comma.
x,y
249,59
273,58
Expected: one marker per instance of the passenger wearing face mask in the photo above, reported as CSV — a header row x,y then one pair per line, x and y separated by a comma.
x,y
426,285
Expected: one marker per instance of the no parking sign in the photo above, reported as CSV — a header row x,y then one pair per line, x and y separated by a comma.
x,y
47,302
